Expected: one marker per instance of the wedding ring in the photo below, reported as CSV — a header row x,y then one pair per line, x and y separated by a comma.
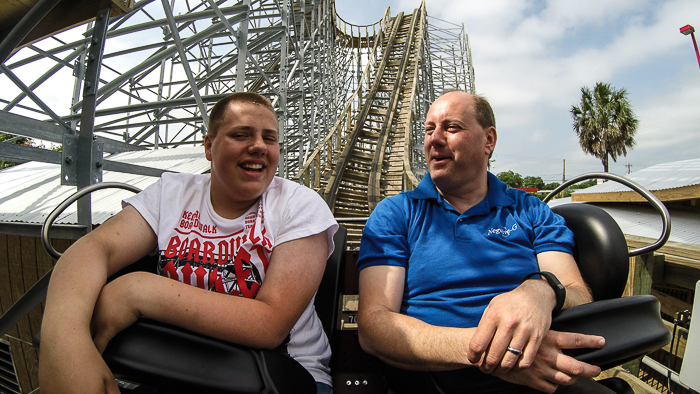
x,y
514,351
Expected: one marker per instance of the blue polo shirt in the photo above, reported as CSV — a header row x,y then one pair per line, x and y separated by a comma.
x,y
455,264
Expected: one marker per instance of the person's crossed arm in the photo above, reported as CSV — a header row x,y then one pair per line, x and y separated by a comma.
x,y
522,315
81,307
520,319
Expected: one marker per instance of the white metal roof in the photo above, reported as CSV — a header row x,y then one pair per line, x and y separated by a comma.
x,y
657,177
644,221
30,191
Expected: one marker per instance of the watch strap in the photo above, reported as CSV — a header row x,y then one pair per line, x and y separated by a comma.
x,y
559,289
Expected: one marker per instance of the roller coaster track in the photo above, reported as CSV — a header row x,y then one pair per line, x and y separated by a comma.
x,y
371,162
350,99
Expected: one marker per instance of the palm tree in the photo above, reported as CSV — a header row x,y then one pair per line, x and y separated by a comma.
x,y
605,123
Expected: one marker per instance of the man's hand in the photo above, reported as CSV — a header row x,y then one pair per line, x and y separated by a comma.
x,y
551,367
69,361
518,319
74,366
115,309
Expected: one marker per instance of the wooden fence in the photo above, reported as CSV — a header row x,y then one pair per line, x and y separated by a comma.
x,y
23,261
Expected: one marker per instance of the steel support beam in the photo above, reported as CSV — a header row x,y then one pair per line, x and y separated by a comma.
x,y
185,63
87,169
24,26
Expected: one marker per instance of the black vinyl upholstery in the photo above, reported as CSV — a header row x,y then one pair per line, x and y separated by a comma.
x,y
168,357
172,358
326,301
631,326
600,249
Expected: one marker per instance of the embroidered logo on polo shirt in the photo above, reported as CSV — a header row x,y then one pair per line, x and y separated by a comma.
x,y
503,231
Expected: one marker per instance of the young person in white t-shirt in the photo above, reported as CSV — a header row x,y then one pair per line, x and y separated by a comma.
x,y
246,250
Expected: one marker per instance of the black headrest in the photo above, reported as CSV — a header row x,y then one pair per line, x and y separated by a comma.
x,y
600,251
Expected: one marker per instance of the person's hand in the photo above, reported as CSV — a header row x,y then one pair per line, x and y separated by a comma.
x,y
115,309
74,366
517,320
551,368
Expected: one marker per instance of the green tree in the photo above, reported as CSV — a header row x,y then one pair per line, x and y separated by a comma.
x,y
533,181
552,186
510,178
12,140
585,184
604,123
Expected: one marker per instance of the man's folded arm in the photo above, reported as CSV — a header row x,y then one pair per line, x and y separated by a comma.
x,y
564,267
401,340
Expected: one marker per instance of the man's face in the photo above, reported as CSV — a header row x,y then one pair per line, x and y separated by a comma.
x,y
244,155
456,146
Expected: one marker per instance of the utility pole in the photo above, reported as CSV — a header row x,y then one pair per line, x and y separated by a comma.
x,y
563,171
629,168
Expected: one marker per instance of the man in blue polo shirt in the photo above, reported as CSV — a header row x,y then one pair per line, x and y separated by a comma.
x,y
443,269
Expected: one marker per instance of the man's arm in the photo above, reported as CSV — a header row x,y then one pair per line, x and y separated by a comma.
x,y
294,273
68,358
525,333
561,369
563,266
401,340
409,343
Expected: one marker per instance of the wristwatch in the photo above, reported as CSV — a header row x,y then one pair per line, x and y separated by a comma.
x,y
559,289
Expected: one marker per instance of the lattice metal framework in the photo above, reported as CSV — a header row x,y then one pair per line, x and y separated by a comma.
x,y
165,63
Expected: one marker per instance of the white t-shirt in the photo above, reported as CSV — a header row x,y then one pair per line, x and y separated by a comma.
x,y
199,247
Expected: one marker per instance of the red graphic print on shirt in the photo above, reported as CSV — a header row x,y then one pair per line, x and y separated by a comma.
x,y
197,254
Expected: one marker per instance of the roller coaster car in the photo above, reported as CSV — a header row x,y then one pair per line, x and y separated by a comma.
x,y
180,361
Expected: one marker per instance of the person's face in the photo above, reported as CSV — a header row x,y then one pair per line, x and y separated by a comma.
x,y
244,156
456,146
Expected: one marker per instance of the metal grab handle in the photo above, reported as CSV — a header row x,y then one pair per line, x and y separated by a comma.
x,y
70,200
652,199
37,292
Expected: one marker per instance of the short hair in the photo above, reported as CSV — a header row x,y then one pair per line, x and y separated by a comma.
x,y
484,116
483,112
218,113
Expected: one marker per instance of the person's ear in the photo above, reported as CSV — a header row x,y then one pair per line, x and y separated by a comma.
x,y
207,146
491,137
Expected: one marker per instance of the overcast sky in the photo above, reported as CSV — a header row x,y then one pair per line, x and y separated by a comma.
x,y
531,59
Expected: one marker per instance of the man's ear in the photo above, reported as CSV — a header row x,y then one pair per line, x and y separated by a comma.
x,y
491,137
207,146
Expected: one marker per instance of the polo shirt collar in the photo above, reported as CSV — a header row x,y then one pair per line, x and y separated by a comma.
x,y
495,197
426,189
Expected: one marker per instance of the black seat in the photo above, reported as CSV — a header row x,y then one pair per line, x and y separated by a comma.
x,y
631,326
172,358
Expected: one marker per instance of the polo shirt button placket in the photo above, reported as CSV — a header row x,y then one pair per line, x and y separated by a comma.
x,y
462,231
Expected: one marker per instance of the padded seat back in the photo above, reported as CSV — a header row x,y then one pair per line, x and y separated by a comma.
x,y
326,301
600,250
